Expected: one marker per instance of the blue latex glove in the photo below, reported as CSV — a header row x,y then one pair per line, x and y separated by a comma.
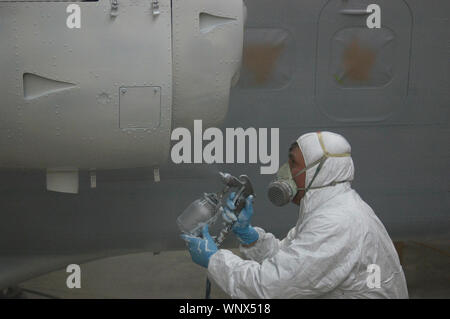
x,y
242,229
201,249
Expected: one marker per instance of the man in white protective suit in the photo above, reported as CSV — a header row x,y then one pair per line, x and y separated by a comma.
x,y
338,248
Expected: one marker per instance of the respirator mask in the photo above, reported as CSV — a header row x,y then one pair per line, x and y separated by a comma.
x,y
283,189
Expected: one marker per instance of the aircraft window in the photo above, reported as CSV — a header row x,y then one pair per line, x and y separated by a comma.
x,y
268,59
362,74
362,58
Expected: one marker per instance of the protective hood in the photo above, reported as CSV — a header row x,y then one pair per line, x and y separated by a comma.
x,y
338,166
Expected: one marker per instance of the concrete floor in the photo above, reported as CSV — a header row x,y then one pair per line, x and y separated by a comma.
x,y
174,275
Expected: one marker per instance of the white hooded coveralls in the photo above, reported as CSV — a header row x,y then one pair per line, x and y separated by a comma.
x,y
328,252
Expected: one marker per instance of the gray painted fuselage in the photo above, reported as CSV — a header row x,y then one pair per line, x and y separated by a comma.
x,y
398,126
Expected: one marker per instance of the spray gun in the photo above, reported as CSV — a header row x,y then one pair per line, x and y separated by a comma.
x,y
206,210
244,189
